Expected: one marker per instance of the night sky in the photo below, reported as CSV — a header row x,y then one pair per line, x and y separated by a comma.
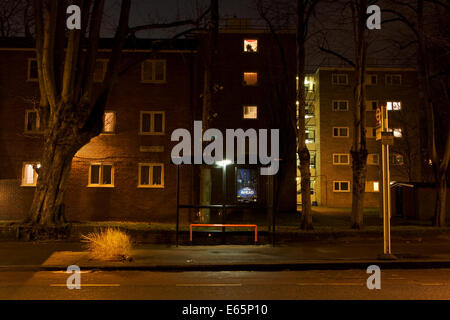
x,y
328,25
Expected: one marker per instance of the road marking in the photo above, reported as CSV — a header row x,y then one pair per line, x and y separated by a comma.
x,y
88,285
330,284
209,285
65,272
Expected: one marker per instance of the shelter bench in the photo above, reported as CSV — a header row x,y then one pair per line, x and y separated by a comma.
x,y
222,226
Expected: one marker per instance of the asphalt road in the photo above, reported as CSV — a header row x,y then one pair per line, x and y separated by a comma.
x,y
139,285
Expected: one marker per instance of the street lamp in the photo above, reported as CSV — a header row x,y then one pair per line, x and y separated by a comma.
x,y
223,163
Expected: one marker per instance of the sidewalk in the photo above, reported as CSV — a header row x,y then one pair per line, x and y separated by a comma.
x,y
421,253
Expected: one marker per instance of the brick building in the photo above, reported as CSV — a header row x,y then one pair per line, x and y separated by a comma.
x,y
126,172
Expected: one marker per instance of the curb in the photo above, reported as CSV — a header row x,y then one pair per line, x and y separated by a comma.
x,y
295,266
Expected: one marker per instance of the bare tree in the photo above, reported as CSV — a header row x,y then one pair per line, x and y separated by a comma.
x,y
15,18
71,111
208,113
359,147
305,9
424,20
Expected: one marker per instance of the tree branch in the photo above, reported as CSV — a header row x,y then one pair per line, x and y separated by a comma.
x,y
348,61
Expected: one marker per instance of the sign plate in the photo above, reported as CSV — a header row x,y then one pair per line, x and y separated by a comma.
x,y
387,138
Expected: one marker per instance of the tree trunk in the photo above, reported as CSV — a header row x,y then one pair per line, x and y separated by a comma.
x,y
441,200
207,114
302,149
359,148
358,186
47,205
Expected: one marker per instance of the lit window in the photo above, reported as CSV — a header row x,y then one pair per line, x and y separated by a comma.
x,y
310,135
30,174
394,105
393,79
250,78
340,78
101,175
397,132
109,122
341,158
152,122
32,121
341,186
373,159
372,186
32,73
312,160
340,132
151,175
340,105
371,105
397,159
250,112
153,71
250,45
372,79
100,70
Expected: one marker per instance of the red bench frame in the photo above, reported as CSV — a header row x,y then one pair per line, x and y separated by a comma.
x,y
223,225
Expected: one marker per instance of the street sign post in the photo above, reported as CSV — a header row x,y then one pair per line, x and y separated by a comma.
x,y
387,139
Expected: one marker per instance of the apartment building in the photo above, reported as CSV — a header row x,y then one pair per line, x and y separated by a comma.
x,y
330,106
126,172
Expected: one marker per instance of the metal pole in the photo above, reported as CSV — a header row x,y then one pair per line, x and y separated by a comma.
x,y
178,203
386,188
224,198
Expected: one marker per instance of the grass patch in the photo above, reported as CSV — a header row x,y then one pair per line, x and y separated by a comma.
x,y
110,244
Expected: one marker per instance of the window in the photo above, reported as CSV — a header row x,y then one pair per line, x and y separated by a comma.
x,y
340,105
373,159
32,73
32,121
250,78
340,78
394,105
371,105
340,132
152,122
341,186
309,110
30,174
250,45
310,135
100,70
372,79
341,158
153,71
151,175
371,132
397,159
101,175
397,132
250,112
393,79
312,160
372,186
109,122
